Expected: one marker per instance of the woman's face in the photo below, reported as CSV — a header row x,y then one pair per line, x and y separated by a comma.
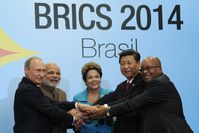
x,y
93,80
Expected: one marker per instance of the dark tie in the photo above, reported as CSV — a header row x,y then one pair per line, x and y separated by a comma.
x,y
127,87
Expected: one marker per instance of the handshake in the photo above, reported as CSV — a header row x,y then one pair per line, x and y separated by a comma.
x,y
85,112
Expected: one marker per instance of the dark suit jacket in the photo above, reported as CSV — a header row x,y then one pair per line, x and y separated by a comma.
x,y
161,108
126,123
33,111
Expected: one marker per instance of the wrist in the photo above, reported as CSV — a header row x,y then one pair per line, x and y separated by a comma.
x,y
107,109
76,105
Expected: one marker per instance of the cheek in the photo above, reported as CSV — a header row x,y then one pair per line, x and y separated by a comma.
x,y
122,70
87,83
99,82
135,68
37,75
48,77
98,79
151,75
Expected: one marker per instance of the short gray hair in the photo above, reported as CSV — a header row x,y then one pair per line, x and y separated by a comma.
x,y
28,61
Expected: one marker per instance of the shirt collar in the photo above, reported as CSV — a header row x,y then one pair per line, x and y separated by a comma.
x,y
130,81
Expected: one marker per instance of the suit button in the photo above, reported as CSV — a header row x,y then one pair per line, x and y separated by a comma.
x,y
96,125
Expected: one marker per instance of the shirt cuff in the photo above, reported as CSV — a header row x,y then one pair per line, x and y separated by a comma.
x,y
108,108
76,105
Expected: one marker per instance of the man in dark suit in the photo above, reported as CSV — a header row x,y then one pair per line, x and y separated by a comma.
x,y
160,104
133,85
33,112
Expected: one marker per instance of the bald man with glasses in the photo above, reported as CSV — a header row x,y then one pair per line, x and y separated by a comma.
x,y
159,105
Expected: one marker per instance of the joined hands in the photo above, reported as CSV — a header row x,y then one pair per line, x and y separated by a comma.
x,y
93,112
86,112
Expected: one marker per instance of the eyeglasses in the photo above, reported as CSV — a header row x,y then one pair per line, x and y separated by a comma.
x,y
147,68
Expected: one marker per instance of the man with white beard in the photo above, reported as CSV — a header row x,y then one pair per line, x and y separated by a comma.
x,y
51,80
49,88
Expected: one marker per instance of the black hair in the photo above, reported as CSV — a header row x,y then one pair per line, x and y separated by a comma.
x,y
127,52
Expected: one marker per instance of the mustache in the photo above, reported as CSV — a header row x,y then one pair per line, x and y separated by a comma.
x,y
56,79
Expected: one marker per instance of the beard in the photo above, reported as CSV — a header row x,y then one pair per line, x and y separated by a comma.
x,y
50,84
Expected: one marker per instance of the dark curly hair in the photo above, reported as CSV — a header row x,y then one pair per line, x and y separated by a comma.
x,y
89,66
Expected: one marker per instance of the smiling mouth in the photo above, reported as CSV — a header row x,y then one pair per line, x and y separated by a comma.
x,y
54,80
147,77
127,72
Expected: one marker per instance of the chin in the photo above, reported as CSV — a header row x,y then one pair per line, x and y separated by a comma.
x,y
38,82
53,85
147,79
95,88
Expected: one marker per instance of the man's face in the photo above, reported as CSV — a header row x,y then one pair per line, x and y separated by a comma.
x,y
150,70
36,71
129,66
52,76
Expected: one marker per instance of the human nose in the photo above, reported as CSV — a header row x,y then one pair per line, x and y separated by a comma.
x,y
125,65
42,73
143,70
54,75
93,79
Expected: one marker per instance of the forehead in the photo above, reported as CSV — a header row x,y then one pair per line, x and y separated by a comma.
x,y
52,68
92,71
37,63
128,57
147,62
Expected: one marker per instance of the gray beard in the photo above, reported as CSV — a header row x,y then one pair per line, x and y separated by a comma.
x,y
50,85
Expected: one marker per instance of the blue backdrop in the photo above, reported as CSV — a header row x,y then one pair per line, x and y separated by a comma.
x,y
71,33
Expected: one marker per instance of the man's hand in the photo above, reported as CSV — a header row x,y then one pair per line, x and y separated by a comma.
x,y
78,122
76,113
93,112
83,107
97,112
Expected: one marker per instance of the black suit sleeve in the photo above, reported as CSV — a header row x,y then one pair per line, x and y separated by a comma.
x,y
110,97
119,100
154,93
34,98
64,105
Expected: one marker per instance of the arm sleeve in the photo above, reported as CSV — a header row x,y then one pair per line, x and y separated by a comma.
x,y
154,93
53,109
110,97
